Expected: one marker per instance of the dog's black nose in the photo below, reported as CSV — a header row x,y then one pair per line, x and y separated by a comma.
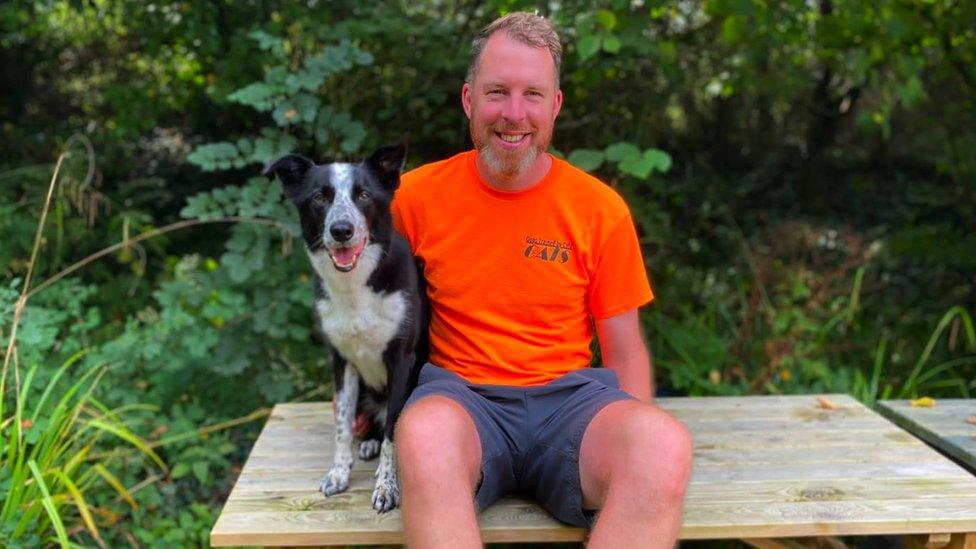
x,y
341,231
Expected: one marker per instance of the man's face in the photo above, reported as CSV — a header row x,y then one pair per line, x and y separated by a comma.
x,y
511,104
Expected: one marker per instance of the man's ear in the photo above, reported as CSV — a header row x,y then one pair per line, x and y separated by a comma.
x,y
466,99
387,163
291,170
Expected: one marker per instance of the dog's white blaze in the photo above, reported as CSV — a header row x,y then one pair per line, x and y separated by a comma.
x,y
358,321
344,206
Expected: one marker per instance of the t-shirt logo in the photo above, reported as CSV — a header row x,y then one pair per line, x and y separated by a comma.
x,y
547,250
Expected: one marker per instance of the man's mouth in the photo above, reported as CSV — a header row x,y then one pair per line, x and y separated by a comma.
x,y
345,257
512,138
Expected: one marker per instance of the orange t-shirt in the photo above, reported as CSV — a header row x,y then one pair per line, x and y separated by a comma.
x,y
514,279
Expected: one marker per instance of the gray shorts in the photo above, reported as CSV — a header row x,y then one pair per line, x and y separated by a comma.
x,y
530,436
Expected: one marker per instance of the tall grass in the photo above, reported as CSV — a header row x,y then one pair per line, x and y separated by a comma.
x,y
46,469
45,463
923,377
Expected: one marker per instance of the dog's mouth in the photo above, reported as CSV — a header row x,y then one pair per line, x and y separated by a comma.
x,y
345,257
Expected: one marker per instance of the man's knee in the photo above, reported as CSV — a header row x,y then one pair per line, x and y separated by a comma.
x,y
658,452
434,435
646,453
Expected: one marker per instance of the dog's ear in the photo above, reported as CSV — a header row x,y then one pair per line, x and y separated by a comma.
x,y
290,169
387,163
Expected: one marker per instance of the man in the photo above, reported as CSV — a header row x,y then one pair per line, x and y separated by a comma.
x,y
524,255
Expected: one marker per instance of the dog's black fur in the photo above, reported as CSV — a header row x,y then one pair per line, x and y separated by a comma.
x,y
370,300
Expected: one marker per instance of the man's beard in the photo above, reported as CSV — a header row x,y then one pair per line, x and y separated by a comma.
x,y
504,162
511,167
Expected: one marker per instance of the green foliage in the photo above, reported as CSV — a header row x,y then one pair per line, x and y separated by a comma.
x,y
801,175
629,159
291,96
48,458
244,313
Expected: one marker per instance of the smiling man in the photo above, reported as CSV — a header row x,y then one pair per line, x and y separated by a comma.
x,y
525,256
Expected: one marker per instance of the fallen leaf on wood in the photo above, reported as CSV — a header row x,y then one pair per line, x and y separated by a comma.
x,y
826,404
924,402
971,421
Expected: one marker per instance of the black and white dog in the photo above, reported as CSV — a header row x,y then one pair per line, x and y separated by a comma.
x,y
370,301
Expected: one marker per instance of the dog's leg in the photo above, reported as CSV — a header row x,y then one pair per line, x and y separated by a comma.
x,y
337,479
403,378
372,408
369,448
386,494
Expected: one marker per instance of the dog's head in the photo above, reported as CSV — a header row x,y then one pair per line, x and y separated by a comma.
x,y
343,207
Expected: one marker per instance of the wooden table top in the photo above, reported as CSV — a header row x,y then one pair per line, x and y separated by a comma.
x,y
946,425
764,466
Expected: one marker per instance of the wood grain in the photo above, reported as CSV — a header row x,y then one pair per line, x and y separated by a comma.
x,y
945,426
765,467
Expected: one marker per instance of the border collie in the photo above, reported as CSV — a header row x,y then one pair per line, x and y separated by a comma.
x,y
370,301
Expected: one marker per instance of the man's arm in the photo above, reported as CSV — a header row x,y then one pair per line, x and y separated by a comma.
x,y
623,350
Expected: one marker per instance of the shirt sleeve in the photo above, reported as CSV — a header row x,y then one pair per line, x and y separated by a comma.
x,y
619,282
402,220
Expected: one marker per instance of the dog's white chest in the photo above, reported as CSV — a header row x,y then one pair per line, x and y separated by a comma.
x,y
360,325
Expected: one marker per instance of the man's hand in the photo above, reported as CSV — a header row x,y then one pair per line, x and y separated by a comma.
x,y
360,425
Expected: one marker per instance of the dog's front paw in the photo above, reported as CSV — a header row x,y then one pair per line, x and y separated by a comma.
x,y
336,481
386,495
368,449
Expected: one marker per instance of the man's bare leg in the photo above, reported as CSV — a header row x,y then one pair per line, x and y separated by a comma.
x,y
635,461
439,456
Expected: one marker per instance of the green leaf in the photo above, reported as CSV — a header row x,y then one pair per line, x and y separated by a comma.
x,y
216,156
733,28
259,95
586,159
48,503
622,151
607,19
267,42
611,44
200,470
660,160
285,113
180,470
587,46
307,106
355,134
652,160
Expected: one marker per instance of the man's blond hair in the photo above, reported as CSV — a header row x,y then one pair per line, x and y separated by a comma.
x,y
530,29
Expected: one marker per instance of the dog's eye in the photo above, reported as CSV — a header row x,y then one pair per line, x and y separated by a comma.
x,y
318,199
364,196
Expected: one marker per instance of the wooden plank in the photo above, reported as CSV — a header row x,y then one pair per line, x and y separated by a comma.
x,y
307,497
944,426
527,522
764,467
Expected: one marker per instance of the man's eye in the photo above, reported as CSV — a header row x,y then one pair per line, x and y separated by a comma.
x,y
364,196
318,199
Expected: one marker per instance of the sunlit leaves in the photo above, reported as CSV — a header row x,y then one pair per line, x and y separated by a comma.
x,y
588,46
586,159
629,158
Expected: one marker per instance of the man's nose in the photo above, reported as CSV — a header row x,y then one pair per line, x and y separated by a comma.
x,y
514,108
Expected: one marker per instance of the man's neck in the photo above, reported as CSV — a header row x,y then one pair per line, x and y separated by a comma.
x,y
517,182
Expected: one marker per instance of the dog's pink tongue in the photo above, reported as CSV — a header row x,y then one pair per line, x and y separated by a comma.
x,y
344,256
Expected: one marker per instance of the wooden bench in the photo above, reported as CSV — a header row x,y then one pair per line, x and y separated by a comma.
x,y
765,467
945,426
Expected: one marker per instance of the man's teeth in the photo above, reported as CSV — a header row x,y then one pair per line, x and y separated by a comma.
x,y
511,138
